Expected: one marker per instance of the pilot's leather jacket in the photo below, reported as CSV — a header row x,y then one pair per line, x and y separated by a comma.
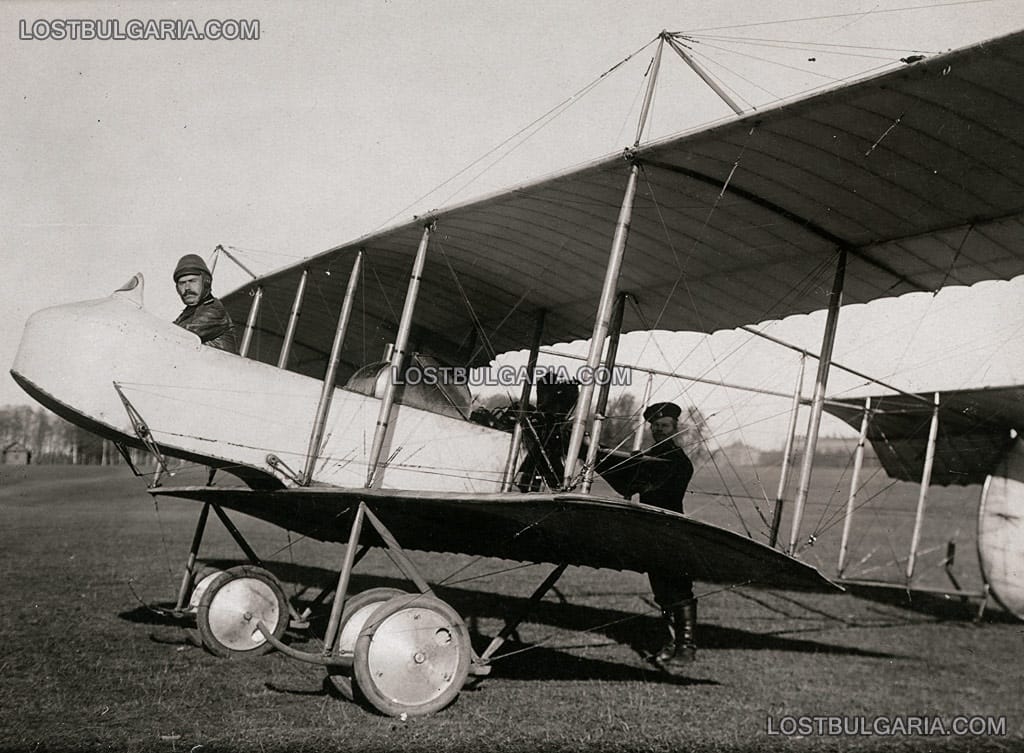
x,y
211,321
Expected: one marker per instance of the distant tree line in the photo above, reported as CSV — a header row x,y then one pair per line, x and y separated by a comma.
x,y
54,441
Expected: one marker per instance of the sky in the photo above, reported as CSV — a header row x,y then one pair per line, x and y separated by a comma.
x,y
119,156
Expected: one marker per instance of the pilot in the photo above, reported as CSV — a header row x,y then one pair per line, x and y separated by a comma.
x,y
662,485
204,315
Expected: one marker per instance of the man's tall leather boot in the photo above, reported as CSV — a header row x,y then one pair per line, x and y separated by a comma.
x,y
668,651
686,631
682,629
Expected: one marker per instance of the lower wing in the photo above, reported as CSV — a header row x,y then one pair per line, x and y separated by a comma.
x,y
574,529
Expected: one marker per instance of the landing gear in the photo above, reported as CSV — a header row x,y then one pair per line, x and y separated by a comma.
x,y
202,584
413,657
231,604
357,611
401,653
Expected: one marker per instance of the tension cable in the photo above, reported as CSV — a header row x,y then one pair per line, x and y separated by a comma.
x,y
859,14
539,122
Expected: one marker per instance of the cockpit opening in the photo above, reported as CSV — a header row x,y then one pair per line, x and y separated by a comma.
x,y
423,385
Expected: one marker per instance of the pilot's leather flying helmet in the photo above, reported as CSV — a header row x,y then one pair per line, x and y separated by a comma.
x,y
191,264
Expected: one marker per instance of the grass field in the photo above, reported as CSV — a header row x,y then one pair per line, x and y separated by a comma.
x,y
86,666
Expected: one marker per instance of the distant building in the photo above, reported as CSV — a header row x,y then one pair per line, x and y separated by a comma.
x,y
738,453
16,454
836,452
831,451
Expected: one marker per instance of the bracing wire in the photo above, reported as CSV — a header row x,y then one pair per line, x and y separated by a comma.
x,y
826,508
769,61
547,642
535,125
809,278
488,346
715,464
804,46
798,19
383,293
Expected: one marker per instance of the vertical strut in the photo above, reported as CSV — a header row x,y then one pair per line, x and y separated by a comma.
x,y
926,479
645,109
611,282
601,323
615,330
397,356
835,300
250,323
524,401
343,578
193,552
787,451
293,320
323,408
638,434
858,463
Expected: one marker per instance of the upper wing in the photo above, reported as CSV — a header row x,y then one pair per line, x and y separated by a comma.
x,y
574,529
974,431
917,172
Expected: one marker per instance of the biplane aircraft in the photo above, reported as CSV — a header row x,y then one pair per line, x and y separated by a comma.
x,y
873,184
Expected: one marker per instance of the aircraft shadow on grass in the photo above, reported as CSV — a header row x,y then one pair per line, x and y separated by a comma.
x,y
942,608
642,633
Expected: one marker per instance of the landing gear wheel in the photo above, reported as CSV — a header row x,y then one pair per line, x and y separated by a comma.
x,y
202,581
231,606
353,618
206,577
413,657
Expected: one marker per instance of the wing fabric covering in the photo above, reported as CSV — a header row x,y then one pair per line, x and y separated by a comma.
x,y
973,437
556,528
919,172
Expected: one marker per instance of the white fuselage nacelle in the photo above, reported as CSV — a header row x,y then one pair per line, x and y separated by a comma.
x,y
206,403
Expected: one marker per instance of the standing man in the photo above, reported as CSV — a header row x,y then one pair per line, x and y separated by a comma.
x,y
660,475
204,315
672,593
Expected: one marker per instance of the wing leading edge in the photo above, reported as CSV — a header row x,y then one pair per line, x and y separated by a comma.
x,y
556,528
916,172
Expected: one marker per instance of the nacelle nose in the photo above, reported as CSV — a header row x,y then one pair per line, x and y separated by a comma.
x,y
71,354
